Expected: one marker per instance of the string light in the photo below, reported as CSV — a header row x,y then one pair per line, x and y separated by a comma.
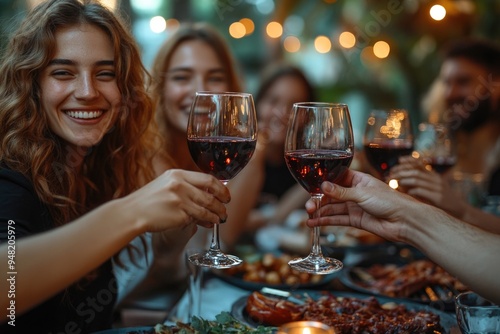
x,y
381,49
237,30
437,12
347,39
274,29
322,44
249,25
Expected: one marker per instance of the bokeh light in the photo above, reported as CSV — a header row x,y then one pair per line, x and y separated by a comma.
x,y
237,30
393,183
347,39
437,12
249,25
157,24
274,29
172,24
322,44
291,44
381,49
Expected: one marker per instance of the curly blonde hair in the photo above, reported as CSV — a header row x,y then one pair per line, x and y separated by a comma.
x,y
121,162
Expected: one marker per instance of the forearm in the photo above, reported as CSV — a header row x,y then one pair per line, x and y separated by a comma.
x,y
465,251
58,258
482,219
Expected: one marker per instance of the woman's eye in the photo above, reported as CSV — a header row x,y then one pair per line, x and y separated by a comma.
x,y
60,73
217,79
107,74
179,78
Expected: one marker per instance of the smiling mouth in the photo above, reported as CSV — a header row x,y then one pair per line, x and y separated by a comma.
x,y
84,114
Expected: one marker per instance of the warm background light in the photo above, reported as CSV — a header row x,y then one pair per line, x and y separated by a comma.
x,y
291,44
237,30
274,29
322,44
157,24
437,12
347,39
381,49
172,24
249,25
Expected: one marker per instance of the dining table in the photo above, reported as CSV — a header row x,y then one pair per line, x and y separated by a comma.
x,y
220,295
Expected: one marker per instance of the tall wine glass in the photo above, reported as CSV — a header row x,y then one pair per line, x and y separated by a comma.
x,y
388,136
436,147
221,134
319,147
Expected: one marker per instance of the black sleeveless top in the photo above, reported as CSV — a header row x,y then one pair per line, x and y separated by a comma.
x,y
83,308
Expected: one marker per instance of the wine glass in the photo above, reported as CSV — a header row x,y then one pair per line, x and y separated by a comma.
x,y
436,147
387,137
319,147
221,134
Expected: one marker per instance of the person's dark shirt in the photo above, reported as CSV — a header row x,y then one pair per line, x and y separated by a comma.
x,y
82,308
278,180
494,184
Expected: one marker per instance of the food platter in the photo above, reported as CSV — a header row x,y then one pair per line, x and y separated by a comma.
x,y
272,270
357,277
447,321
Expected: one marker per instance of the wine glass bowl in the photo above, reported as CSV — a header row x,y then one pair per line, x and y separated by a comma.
x,y
221,135
436,147
387,137
319,147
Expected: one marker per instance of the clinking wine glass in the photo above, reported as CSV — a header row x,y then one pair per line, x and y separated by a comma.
x,y
319,146
221,134
387,137
436,147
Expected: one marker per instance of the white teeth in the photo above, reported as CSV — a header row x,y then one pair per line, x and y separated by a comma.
x,y
84,114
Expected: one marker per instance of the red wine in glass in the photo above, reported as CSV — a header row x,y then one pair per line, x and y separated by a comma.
x,y
312,167
221,136
223,157
441,164
436,146
319,147
388,136
382,157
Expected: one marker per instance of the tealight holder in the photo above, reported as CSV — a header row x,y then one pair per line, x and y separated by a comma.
x,y
305,327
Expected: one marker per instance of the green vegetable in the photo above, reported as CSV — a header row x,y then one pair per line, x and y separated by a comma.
x,y
224,323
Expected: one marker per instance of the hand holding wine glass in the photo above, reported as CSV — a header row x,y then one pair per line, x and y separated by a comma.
x,y
319,147
387,137
221,134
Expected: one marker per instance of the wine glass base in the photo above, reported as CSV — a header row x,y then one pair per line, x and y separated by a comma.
x,y
215,259
314,264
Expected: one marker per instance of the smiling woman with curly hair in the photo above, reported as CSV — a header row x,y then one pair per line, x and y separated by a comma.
x,y
76,177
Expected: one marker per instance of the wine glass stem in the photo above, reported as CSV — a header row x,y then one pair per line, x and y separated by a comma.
x,y
316,248
215,244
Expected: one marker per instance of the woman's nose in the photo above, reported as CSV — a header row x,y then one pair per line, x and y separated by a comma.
x,y
86,88
200,85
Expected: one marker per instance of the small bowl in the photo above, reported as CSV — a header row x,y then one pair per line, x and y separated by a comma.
x,y
476,315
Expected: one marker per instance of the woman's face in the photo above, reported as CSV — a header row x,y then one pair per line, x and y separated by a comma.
x,y
194,66
79,93
275,107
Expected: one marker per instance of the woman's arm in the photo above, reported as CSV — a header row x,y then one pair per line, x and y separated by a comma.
x,y
174,202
